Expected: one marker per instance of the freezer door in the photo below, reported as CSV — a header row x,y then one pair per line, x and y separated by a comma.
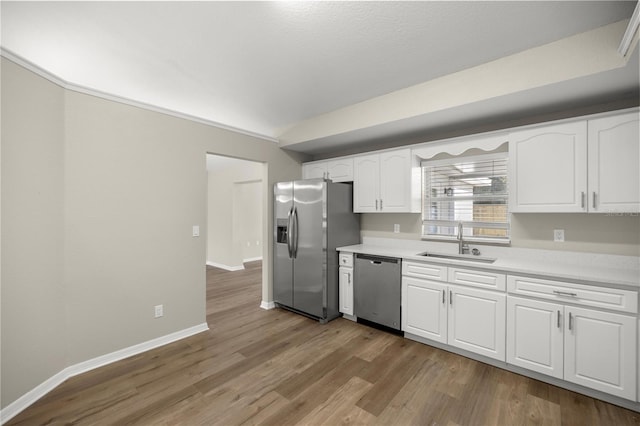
x,y
310,246
282,244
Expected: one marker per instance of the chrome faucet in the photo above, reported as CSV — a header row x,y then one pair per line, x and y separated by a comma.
x,y
463,248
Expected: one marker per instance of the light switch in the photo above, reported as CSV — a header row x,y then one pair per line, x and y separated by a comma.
x,y
196,231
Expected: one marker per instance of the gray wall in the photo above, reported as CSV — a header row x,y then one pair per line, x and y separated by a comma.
x,y
33,299
593,233
98,201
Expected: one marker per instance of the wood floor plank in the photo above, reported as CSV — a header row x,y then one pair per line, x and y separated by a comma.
x,y
274,367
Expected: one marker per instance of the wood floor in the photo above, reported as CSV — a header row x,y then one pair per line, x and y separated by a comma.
x,y
278,368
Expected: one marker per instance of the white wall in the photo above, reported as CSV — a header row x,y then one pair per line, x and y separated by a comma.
x,y
99,200
234,197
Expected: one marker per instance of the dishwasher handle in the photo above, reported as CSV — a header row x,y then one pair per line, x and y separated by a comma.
x,y
377,260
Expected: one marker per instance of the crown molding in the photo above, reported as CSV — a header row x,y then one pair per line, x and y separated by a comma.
x,y
7,54
629,34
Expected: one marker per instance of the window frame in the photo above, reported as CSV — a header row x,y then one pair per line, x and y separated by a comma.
x,y
467,225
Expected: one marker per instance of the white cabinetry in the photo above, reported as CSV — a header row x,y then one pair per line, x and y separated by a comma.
x,y
582,166
338,170
476,321
600,351
386,182
535,336
580,344
548,168
424,308
614,164
345,283
468,318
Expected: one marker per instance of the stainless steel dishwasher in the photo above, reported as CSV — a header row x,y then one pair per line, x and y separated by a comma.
x,y
377,289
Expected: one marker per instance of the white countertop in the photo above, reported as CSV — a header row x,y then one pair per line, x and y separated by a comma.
x,y
587,268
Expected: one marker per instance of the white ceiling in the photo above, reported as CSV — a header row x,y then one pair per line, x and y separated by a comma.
x,y
263,67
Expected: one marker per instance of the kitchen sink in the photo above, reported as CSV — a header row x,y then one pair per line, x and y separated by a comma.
x,y
469,258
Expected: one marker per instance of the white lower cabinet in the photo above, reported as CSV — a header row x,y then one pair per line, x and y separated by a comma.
x,y
467,318
477,321
425,310
535,336
592,348
600,351
345,284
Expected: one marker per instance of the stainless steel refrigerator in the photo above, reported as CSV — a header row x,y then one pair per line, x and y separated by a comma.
x,y
311,219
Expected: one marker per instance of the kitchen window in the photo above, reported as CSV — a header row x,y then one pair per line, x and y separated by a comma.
x,y
468,190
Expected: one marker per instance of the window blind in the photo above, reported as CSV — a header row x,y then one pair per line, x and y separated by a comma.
x,y
470,190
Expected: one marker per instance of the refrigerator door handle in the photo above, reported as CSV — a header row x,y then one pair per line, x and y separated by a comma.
x,y
289,230
295,233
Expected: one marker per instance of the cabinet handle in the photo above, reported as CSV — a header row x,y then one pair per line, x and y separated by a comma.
x,y
594,199
558,318
570,320
443,296
582,198
450,298
380,204
376,204
349,278
564,293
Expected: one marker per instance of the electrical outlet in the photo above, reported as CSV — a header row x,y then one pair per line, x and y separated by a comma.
x,y
558,235
159,311
396,227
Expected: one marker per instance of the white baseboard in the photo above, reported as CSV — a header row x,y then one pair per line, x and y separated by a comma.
x,y
252,259
267,305
20,404
226,267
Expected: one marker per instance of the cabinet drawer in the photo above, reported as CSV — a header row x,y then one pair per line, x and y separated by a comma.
x,y
601,297
424,270
346,259
481,279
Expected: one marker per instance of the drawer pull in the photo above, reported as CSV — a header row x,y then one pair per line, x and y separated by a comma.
x,y
564,293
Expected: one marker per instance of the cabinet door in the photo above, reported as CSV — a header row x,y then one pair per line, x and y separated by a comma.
x,y
366,179
395,181
424,311
548,169
346,290
614,164
314,170
535,335
340,170
476,321
600,351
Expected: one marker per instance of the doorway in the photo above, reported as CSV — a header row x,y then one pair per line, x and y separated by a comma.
x,y
236,213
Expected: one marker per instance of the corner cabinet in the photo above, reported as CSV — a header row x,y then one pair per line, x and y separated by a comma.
x,y
386,182
583,166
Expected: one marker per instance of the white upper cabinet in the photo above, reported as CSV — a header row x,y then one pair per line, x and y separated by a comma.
x,y
584,166
386,182
338,170
314,170
614,164
548,168
341,169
